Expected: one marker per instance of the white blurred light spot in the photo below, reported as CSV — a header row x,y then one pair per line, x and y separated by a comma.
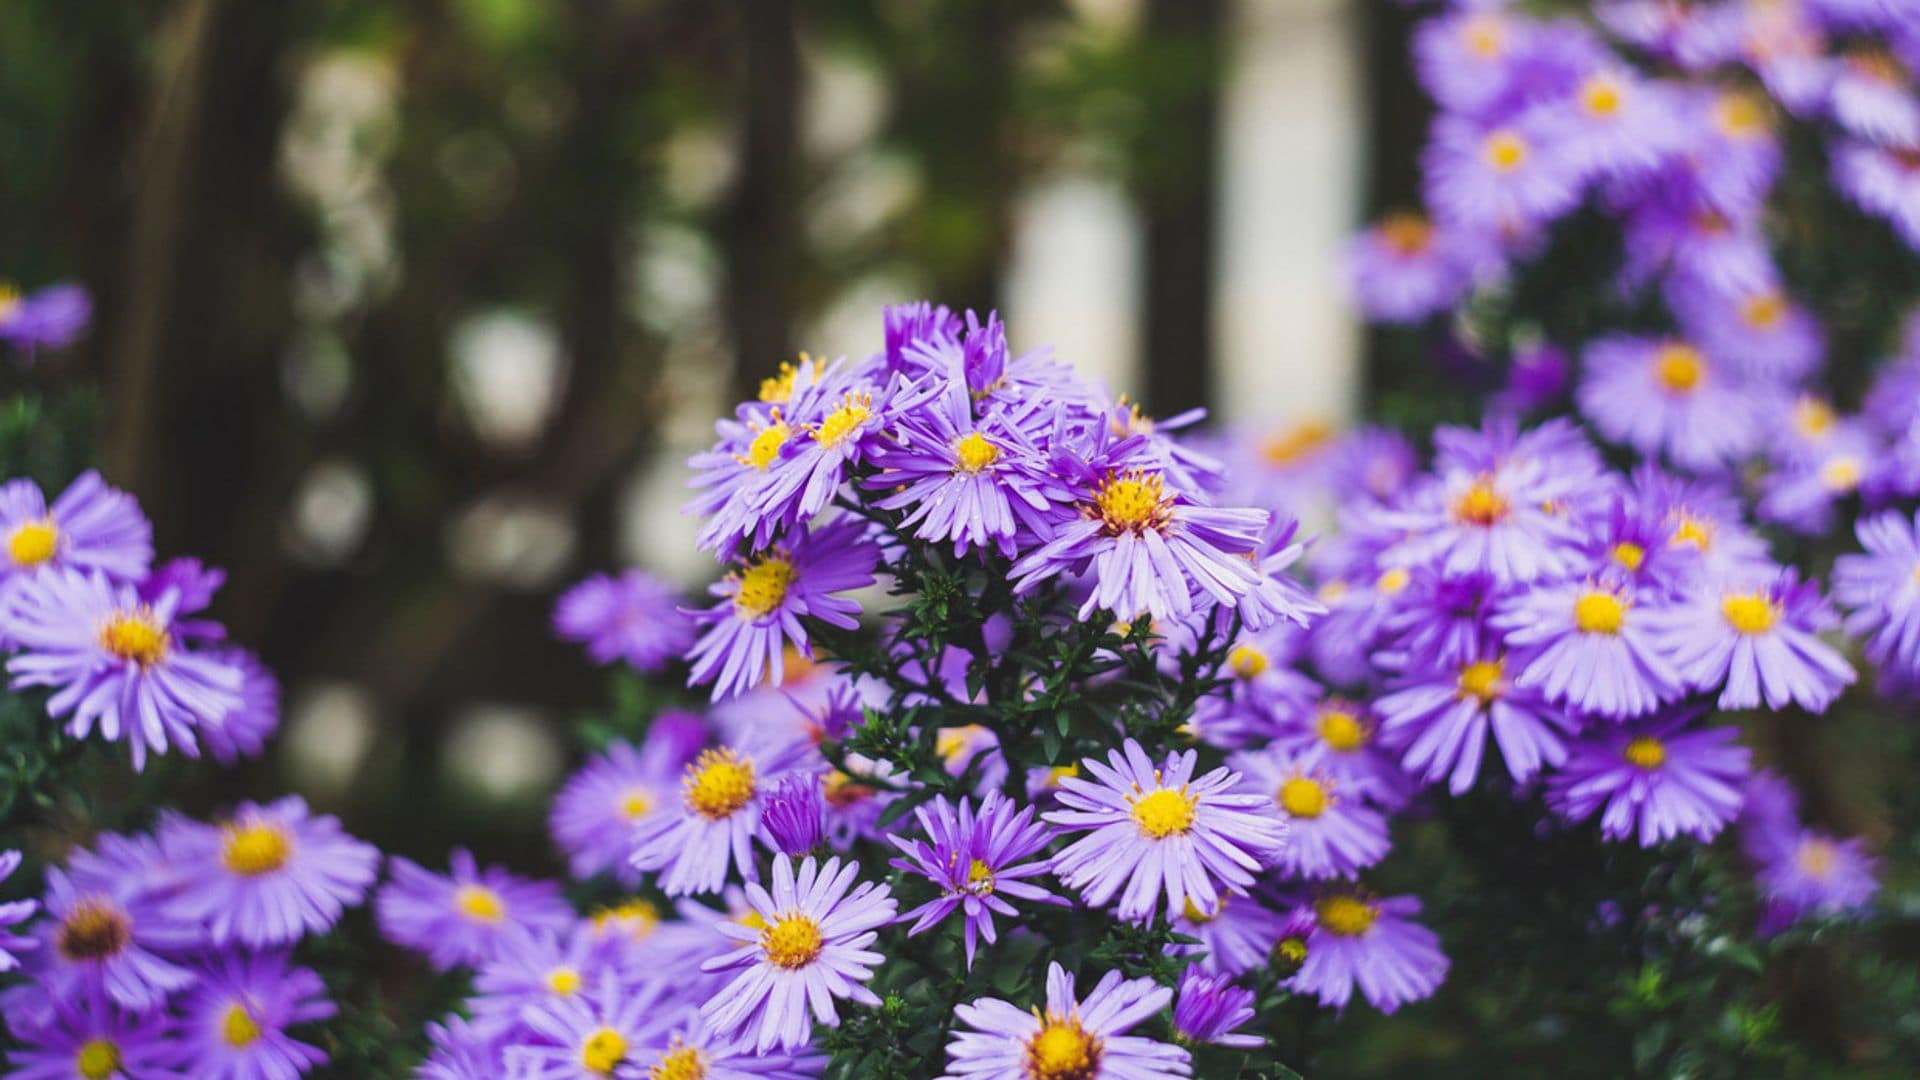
x,y
653,531
508,371
329,726
1074,281
511,540
316,373
845,102
502,752
330,514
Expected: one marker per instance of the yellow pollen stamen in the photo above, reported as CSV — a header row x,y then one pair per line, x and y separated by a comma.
x,y
779,387
1741,115
1693,532
1247,661
1342,731
98,1059
1289,446
479,903
979,878
255,849
1131,502
1841,474
563,981
1629,554
1392,581
636,917
603,1051
679,1063
136,635
1481,679
1303,798
1164,812
92,930
1816,857
1332,590
635,804
842,791
792,942
34,542
1481,504
1505,150
1194,914
1485,36
1597,612
751,919
1062,1050
1645,752
1764,310
763,586
1812,418
973,452
955,743
1061,772
1679,367
1290,954
1406,234
856,409
1602,96
1347,916
1750,613
765,448
719,783
238,1028
9,299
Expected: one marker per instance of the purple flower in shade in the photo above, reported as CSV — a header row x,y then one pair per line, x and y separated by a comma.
x,y
267,875
1536,378
89,527
1236,937
461,1051
1806,872
795,815
1758,334
635,617
109,935
1327,835
1700,522
1727,253
1881,589
114,661
976,861
531,968
1588,645
53,317
762,604
1618,126
1336,740
1209,1009
811,947
1439,719
1468,59
234,1023
462,919
1737,155
1405,269
1263,685
589,1035
1668,397
1070,1038
1759,641
244,731
722,798
1872,96
595,813
1802,491
692,1051
1505,179
1158,830
1371,943
830,426
1653,779
1883,182
13,913
88,1037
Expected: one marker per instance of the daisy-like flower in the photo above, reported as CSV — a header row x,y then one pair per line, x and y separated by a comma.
x,y
1654,780
1327,835
461,919
1372,944
1881,589
1440,719
1758,641
1759,333
13,913
533,968
762,603
1160,831
54,317
113,936
1669,397
795,815
591,1035
1405,269
234,1022
114,661
89,527
976,860
1071,1039
1883,182
722,796
830,426
1588,645
1808,872
692,1051
461,1051
1210,1008
267,875
635,617
88,1037
595,813
1872,96
1506,179
810,947
1339,740
1236,936
1618,125
244,731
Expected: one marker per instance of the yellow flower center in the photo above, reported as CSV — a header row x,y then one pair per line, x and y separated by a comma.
x,y
1602,96
856,409
1408,234
1645,752
1347,916
1740,115
603,1050
779,387
841,790
1194,914
766,446
1505,150
1816,857
1598,612
1693,532
636,917
9,299
1629,554
1485,36
1247,661
979,878
955,743
1342,731
93,930
718,783
1290,954
33,543
973,452
1841,474
1133,502
1303,798
252,850
1764,310
764,585
634,804
1392,581
1061,772
1481,504
792,942
679,1063
1481,679
1750,613
238,1027
1289,446
98,1059
479,903
563,981
1062,1050
1812,418
1332,590
1679,367
1164,812
135,635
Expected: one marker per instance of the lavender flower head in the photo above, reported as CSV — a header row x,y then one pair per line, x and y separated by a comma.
x,y
267,875
795,815
13,913
1070,1037
635,617
1653,780
463,919
977,860
1208,1010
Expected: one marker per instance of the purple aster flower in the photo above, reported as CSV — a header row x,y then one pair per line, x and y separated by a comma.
x,y
1371,943
1590,646
1337,740
1881,589
461,919
244,731
1237,936
835,424
55,316
1759,333
1883,182
113,936
1468,60
693,1052
1802,492
89,527
1405,269
1439,719
1070,1038
1617,125
1808,872
1327,835
1736,155
267,875
1669,397
1536,378
1724,252
1209,1009
1653,779
635,617
1153,831
795,815
589,1035
811,947
1872,97
88,1037
976,861
1505,179
113,661
234,1023
762,604
13,913
461,1051
1759,641
722,797
532,968
595,813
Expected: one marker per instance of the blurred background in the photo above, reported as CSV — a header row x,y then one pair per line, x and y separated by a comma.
x,y
409,311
